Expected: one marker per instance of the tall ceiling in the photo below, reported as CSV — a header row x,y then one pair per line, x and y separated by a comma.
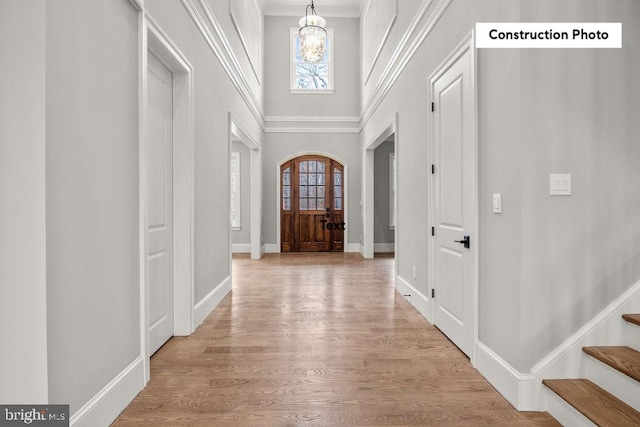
x,y
339,8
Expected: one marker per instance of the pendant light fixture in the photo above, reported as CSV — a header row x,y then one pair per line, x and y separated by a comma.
x,y
313,36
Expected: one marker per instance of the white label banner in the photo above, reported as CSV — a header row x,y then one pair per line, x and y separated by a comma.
x,y
550,35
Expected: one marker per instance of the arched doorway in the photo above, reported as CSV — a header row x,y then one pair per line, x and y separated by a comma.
x,y
312,205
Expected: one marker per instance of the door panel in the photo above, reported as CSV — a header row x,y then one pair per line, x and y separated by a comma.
x,y
311,190
159,156
310,204
454,196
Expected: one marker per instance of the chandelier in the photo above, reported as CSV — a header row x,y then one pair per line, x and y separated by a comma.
x,y
313,36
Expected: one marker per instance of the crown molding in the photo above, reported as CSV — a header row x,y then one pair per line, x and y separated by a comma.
x,y
310,124
403,53
221,48
324,11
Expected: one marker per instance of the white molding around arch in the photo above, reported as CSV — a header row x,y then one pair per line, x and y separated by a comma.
x,y
345,167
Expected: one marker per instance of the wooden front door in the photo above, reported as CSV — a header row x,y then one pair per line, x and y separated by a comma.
x,y
312,205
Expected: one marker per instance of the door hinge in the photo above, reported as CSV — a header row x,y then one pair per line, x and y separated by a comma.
x,y
433,293
433,106
433,231
433,169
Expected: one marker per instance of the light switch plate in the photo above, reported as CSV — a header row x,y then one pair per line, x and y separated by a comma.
x,y
560,184
497,203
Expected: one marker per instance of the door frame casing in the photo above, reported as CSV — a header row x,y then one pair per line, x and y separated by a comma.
x,y
153,40
368,206
466,45
345,178
237,133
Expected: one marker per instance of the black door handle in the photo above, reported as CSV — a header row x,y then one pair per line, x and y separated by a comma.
x,y
465,241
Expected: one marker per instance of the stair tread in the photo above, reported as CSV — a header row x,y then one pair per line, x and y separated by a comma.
x,y
622,358
632,318
595,403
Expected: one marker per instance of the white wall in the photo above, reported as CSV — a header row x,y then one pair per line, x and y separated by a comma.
x,y
547,264
23,310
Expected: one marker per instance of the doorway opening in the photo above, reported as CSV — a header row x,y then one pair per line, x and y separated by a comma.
x,y
166,192
384,198
245,201
453,200
312,205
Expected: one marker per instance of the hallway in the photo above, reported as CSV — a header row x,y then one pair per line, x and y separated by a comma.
x,y
317,339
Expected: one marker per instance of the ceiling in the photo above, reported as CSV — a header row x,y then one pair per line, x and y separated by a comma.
x,y
337,8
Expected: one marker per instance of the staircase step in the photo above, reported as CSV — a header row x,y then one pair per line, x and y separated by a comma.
x,y
622,358
632,318
595,403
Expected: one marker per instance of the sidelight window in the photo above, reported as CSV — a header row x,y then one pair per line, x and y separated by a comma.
x,y
286,189
337,190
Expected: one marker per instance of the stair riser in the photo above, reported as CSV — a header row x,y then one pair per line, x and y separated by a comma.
x,y
631,334
564,413
615,382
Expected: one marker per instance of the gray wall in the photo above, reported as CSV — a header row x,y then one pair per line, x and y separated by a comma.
x,y
280,102
381,231
547,264
243,236
78,100
93,291
215,96
23,310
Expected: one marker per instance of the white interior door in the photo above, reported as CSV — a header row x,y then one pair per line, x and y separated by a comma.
x,y
159,161
453,200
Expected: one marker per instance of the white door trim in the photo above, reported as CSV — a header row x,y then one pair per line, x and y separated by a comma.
x,y
368,179
237,133
154,40
466,45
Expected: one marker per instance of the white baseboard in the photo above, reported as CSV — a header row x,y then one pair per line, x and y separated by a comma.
x,y
271,248
384,247
361,250
521,390
206,305
241,248
352,247
107,405
419,300
524,390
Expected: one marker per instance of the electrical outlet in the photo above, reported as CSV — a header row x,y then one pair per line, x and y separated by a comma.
x,y
415,272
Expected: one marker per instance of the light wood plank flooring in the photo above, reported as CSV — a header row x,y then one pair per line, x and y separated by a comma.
x,y
318,340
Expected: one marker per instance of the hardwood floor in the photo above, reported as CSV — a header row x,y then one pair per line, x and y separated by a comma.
x,y
317,339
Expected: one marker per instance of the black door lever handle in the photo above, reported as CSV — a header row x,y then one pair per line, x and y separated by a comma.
x,y
465,241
